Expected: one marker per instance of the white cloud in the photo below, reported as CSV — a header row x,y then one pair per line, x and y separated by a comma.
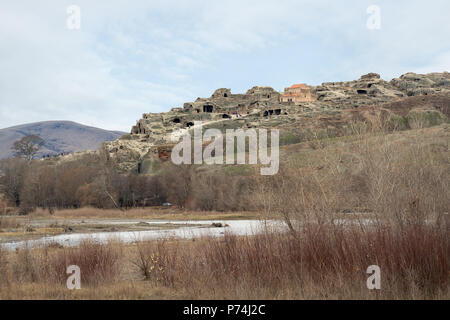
x,y
141,56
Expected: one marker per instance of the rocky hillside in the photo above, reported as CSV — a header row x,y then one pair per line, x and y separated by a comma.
x,y
334,106
60,137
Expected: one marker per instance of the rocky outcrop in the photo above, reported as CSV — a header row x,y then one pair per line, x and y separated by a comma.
x,y
369,89
423,84
334,104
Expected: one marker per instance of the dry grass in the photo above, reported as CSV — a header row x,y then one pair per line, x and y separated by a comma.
x,y
40,273
323,262
3,267
99,264
400,180
9,223
124,290
149,213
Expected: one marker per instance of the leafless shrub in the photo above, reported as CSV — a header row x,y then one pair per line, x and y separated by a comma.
x,y
98,263
155,261
4,276
27,267
405,184
12,179
333,258
178,183
220,192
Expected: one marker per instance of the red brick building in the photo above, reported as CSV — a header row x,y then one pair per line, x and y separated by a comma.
x,y
297,93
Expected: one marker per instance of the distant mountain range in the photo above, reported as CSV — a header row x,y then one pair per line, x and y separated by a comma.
x,y
59,137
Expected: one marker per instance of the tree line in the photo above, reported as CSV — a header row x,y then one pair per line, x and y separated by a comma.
x,y
92,180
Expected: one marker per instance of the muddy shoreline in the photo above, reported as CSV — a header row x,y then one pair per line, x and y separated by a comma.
x,y
34,229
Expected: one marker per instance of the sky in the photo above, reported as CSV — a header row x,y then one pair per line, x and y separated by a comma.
x,y
123,58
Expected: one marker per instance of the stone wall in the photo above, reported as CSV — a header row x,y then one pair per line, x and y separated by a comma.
x,y
297,94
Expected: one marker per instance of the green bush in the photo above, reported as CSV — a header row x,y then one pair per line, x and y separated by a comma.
x,y
398,123
290,138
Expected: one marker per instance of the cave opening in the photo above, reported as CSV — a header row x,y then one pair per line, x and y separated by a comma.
x,y
208,108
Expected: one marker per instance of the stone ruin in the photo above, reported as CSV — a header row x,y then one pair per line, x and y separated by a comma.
x,y
297,93
263,107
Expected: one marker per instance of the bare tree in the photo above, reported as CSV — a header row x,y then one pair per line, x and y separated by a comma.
x,y
28,146
12,176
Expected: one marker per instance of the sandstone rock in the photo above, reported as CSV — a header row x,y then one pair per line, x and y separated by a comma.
x,y
334,103
221,93
370,76
423,84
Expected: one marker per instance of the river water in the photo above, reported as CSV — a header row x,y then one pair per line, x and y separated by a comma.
x,y
188,230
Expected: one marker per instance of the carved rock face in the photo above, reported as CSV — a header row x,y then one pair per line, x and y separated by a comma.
x,y
221,93
330,104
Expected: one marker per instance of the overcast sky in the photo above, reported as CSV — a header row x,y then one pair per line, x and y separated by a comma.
x,y
131,57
